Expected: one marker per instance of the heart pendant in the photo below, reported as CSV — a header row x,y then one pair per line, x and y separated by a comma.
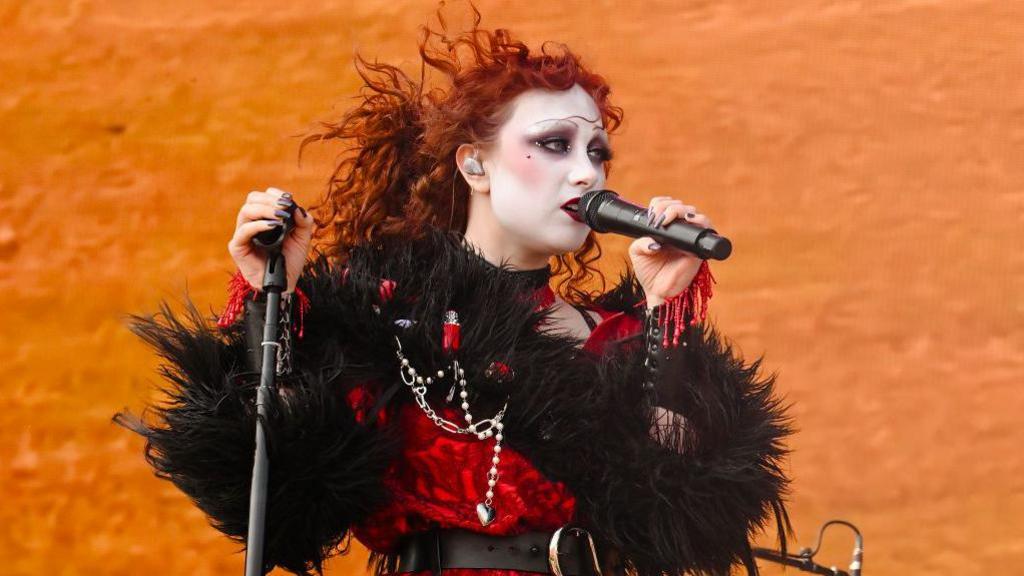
x,y
485,513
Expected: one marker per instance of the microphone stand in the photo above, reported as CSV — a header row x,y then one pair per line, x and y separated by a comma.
x,y
275,280
805,559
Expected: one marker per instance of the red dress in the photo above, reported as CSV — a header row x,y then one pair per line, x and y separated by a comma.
x,y
440,477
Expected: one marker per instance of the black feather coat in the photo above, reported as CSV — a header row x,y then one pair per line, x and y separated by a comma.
x,y
689,501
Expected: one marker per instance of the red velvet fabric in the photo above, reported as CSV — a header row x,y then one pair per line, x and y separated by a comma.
x,y
441,477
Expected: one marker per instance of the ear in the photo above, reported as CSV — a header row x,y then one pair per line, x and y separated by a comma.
x,y
479,184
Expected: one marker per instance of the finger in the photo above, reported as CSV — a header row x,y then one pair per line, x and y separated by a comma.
x,y
245,233
645,246
654,201
256,211
303,219
669,214
657,216
692,215
677,211
271,197
277,192
698,219
657,207
280,199
661,200
257,197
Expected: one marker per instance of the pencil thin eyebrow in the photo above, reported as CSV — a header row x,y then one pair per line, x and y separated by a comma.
x,y
568,119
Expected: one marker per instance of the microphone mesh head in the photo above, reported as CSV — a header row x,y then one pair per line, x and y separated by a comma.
x,y
588,205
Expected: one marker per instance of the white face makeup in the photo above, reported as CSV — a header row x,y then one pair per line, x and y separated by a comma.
x,y
550,150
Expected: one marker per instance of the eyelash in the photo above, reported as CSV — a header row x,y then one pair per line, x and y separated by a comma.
x,y
604,153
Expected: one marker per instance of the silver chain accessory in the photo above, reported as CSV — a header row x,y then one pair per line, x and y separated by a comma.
x,y
284,350
482,429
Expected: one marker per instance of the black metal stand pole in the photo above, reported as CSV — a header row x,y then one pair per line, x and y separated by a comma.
x,y
274,283
805,564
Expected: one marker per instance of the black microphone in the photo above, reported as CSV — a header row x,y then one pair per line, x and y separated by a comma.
x,y
273,239
605,211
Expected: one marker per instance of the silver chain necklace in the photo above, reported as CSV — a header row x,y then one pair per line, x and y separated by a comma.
x,y
482,429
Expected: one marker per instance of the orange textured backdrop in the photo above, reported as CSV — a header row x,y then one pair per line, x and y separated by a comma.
x,y
867,158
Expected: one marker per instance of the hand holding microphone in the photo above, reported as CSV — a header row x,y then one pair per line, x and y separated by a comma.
x,y
672,239
267,220
605,211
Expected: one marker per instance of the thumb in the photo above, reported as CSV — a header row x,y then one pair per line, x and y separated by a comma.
x,y
644,246
302,218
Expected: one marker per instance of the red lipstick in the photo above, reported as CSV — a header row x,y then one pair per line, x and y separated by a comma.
x,y
571,207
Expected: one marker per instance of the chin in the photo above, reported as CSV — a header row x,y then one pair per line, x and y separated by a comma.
x,y
551,239
569,243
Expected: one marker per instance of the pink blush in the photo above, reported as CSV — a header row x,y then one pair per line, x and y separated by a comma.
x,y
528,171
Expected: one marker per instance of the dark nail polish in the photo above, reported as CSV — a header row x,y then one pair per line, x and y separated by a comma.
x,y
303,210
285,202
281,213
274,223
650,216
691,215
285,195
661,220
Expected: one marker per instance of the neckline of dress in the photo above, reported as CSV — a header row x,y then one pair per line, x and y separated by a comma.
x,y
545,296
534,278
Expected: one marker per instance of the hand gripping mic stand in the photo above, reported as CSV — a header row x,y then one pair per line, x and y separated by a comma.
x,y
275,281
805,559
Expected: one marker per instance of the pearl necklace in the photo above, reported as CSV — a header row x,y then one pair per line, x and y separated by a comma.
x,y
483,429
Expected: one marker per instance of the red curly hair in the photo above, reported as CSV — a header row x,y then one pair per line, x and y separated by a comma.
x,y
397,175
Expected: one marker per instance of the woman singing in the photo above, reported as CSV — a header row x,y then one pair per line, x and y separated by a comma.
x,y
437,398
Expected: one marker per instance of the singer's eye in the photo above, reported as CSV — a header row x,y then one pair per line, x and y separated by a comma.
x,y
562,146
554,144
600,154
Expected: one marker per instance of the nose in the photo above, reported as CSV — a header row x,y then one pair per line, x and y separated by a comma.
x,y
584,173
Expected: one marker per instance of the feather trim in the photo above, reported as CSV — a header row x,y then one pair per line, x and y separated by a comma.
x,y
325,468
691,499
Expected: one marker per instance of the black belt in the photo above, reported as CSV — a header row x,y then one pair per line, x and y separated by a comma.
x,y
529,552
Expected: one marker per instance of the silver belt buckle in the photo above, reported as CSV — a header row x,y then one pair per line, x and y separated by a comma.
x,y
556,569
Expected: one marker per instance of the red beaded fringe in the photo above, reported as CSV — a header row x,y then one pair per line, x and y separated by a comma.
x,y
688,307
304,306
239,289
